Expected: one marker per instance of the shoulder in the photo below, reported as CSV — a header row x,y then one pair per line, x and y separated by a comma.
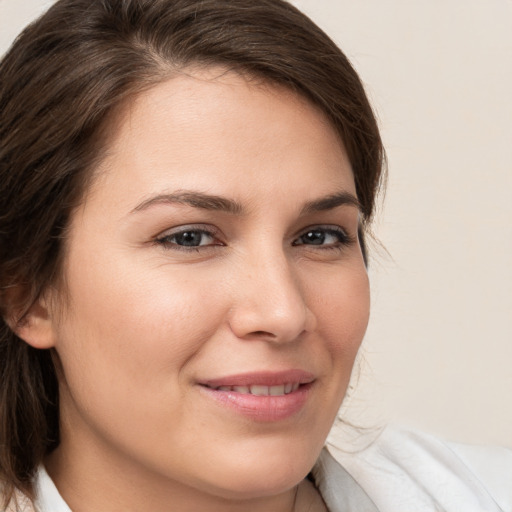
x,y
403,470
492,466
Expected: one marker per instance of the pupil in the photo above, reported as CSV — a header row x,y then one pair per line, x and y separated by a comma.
x,y
189,238
315,237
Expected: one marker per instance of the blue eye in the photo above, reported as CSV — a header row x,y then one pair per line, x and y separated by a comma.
x,y
188,238
191,238
327,237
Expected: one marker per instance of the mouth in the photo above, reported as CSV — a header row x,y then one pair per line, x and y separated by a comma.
x,y
261,383
261,396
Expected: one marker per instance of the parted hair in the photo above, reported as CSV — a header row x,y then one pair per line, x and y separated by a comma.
x,y
60,84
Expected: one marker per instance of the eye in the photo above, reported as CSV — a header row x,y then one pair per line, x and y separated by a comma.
x,y
326,237
188,238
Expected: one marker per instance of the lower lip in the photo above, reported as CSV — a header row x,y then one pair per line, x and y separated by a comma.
x,y
261,408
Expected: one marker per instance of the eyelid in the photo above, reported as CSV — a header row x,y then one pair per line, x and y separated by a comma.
x,y
206,228
162,239
330,229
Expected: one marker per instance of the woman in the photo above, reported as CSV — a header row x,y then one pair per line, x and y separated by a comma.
x,y
187,188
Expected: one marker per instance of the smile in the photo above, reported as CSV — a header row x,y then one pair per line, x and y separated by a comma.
x,y
261,396
259,390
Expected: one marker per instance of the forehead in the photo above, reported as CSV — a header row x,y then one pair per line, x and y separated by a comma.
x,y
212,128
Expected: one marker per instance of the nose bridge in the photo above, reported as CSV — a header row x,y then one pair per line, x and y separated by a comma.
x,y
272,302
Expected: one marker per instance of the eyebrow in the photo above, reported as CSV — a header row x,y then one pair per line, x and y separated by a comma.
x,y
195,199
223,204
332,201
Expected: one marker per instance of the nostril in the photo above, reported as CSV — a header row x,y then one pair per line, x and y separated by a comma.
x,y
262,333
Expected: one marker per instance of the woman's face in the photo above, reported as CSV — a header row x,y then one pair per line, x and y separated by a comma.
x,y
214,262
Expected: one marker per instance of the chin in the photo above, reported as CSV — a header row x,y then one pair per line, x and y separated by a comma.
x,y
252,484
264,470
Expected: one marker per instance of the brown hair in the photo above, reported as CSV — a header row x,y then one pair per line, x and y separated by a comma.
x,y
59,84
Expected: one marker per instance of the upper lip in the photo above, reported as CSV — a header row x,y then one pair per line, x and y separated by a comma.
x,y
261,378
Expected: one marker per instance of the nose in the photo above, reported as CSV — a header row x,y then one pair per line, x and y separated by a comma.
x,y
270,302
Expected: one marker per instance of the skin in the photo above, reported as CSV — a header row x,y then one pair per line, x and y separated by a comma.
x,y
145,320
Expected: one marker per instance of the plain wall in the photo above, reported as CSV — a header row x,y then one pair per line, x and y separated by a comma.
x,y
438,353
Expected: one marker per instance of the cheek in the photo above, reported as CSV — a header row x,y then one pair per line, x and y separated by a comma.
x,y
126,323
125,345
342,310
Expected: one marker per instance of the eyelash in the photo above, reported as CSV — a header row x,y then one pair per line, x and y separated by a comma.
x,y
166,240
343,238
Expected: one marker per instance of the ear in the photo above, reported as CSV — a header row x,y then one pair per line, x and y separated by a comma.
x,y
36,327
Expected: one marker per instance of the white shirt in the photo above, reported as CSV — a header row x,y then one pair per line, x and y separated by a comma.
x,y
401,471
48,498
408,471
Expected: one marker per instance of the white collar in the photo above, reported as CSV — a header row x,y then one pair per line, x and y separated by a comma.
x,y
48,498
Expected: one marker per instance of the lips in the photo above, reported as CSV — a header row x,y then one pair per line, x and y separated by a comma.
x,y
261,396
261,378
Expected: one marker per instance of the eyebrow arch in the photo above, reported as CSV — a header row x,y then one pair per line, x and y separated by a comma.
x,y
194,199
330,202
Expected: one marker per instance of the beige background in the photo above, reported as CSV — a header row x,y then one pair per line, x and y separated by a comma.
x,y
438,353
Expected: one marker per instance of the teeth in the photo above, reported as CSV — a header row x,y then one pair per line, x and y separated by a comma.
x,y
258,390
276,390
